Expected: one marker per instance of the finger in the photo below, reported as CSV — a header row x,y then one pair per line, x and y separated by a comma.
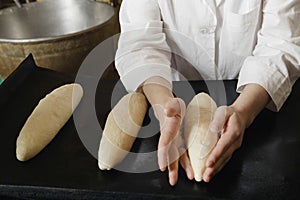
x,y
183,156
178,142
227,155
211,171
222,164
173,164
170,128
168,149
173,173
172,108
225,141
169,131
186,165
220,117
175,108
222,146
162,156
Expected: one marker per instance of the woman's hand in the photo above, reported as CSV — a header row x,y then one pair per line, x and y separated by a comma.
x,y
169,111
231,122
170,146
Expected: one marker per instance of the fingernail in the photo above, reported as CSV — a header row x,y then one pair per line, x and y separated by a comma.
x,y
190,176
162,169
206,178
172,182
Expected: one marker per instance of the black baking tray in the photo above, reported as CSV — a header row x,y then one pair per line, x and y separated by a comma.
x,y
265,167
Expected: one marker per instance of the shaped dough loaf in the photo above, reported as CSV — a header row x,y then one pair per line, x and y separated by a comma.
x,y
121,128
199,139
48,117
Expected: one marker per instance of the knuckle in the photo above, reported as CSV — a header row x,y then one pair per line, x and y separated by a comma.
x,y
164,143
237,134
222,110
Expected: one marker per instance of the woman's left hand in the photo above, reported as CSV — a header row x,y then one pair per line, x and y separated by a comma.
x,y
231,124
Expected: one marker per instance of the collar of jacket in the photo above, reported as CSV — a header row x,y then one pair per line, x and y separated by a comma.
x,y
212,4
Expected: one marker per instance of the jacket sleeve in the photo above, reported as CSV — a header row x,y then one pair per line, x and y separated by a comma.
x,y
275,63
142,48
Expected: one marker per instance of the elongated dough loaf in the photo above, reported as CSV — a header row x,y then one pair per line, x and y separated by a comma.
x,y
121,128
48,117
199,139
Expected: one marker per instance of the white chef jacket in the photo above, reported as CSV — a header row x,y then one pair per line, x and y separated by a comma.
x,y
256,41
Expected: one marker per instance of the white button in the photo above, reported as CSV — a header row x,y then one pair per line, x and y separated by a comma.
x,y
203,30
208,30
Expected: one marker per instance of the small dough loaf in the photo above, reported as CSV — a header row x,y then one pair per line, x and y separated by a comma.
x,y
48,117
199,139
121,128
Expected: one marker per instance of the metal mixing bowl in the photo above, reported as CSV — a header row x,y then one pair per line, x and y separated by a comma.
x,y
59,33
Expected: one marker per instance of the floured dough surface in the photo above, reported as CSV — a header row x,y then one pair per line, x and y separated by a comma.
x,y
48,117
199,139
121,128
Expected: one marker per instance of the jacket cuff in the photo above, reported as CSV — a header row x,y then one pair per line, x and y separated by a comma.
x,y
133,79
271,79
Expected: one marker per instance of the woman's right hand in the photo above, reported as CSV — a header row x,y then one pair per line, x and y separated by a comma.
x,y
171,147
169,111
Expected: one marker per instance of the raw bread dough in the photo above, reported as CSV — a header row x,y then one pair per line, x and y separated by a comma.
x,y
48,117
121,128
199,139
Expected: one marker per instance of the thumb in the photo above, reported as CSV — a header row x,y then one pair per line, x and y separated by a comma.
x,y
220,117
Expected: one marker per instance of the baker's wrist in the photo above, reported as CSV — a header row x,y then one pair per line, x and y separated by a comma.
x,y
246,116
